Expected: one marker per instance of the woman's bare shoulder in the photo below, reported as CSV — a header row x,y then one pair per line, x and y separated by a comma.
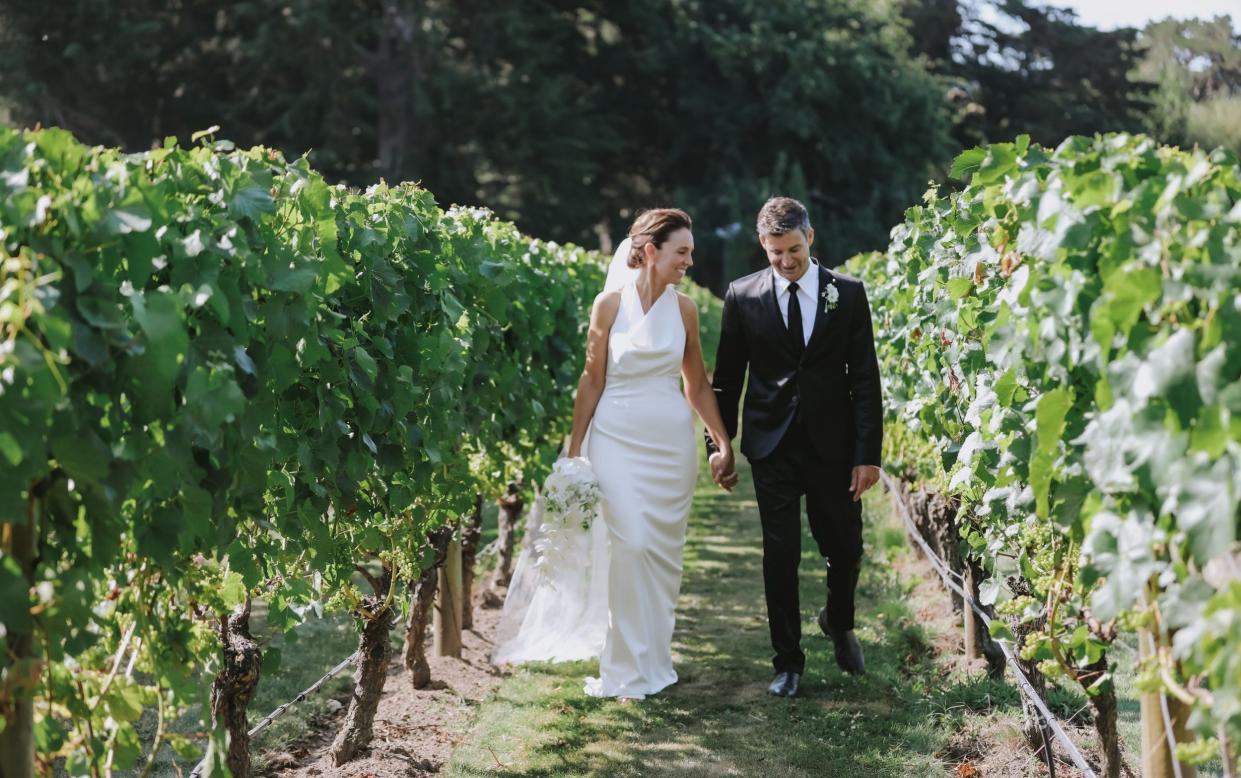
x,y
606,305
688,306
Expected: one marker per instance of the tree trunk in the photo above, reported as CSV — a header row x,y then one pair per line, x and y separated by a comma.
x,y
936,519
17,708
471,535
1157,756
1103,703
996,664
1227,755
392,69
1033,727
414,655
22,668
447,621
234,686
374,654
398,66
511,505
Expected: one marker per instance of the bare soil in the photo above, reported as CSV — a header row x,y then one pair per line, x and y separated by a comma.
x,y
415,730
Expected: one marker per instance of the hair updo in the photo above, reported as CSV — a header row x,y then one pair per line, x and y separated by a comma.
x,y
654,226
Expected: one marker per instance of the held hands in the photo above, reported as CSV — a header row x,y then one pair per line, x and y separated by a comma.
x,y
864,477
724,469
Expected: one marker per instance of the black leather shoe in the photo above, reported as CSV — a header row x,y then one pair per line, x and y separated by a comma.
x,y
849,654
848,650
784,684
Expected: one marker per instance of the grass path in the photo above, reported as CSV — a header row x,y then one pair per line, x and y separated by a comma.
x,y
897,720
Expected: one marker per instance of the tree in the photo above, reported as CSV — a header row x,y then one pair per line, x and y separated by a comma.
x,y
563,115
1197,66
1023,68
129,73
820,100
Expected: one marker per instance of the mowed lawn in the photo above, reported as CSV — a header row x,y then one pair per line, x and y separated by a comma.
x,y
897,720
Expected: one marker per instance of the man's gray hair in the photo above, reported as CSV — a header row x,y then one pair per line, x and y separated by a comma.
x,y
782,214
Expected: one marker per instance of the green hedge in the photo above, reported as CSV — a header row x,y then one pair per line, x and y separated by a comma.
x,y
221,376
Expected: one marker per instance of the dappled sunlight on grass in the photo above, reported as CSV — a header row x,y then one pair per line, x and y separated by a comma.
x,y
915,713
718,720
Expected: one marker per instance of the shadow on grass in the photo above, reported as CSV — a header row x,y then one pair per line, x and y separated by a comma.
x,y
718,720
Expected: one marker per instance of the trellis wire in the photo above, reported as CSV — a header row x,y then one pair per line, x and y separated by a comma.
x,y
278,712
1023,683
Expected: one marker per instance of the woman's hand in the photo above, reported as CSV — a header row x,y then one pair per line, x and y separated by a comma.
x,y
724,468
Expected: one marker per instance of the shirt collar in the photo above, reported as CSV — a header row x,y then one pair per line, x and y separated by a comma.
x,y
804,283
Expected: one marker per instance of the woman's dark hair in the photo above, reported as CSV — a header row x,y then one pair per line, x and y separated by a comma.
x,y
654,226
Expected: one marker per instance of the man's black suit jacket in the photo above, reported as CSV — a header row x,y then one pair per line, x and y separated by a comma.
x,y
834,384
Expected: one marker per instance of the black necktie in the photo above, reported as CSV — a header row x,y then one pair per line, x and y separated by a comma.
x,y
796,336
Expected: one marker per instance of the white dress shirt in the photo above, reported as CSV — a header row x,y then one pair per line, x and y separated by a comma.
x,y
807,295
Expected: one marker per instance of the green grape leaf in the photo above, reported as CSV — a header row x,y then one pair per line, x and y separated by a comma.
x,y
14,596
1050,415
212,397
124,700
160,317
11,449
250,202
967,163
960,287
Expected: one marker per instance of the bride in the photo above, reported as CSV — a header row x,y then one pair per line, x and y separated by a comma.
x,y
618,602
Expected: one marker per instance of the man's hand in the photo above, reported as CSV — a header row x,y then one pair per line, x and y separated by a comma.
x,y
723,471
864,477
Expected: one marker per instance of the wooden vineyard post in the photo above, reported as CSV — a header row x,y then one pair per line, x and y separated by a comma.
x,y
471,535
972,635
448,607
1157,755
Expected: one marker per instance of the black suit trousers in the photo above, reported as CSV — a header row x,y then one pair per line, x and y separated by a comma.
x,y
793,470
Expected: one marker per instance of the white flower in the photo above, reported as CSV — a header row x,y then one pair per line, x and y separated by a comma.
x,y
40,210
571,499
832,295
571,493
193,243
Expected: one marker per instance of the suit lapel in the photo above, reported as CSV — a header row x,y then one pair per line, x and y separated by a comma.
x,y
769,312
767,298
822,317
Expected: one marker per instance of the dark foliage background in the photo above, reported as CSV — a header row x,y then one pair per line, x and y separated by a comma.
x,y
566,116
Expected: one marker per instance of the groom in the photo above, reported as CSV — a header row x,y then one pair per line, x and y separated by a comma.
x,y
813,422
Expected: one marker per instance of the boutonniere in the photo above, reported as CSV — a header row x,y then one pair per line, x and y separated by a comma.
x,y
831,296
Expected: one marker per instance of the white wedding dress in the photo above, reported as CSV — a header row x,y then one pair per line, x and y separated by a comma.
x,y
619,602
643,451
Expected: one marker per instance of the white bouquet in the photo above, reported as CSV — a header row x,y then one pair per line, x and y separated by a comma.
x,y
570,502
